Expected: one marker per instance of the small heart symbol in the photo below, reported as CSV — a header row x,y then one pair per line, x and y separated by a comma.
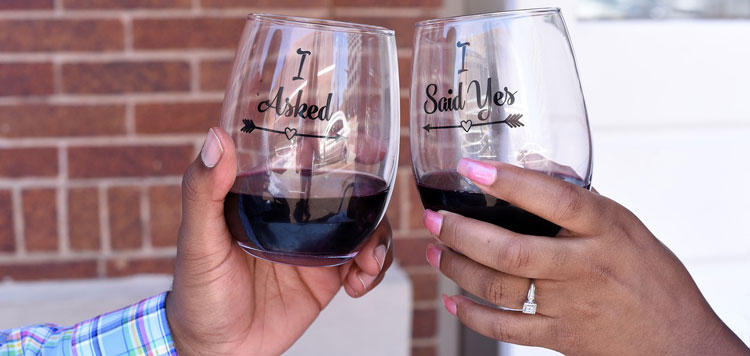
x,y
466,124
290,133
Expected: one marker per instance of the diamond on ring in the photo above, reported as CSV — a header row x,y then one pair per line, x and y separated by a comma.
x,y
530,306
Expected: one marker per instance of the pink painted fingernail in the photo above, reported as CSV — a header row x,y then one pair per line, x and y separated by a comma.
x,y
449,304
433,221
433,255
212,150
380,255
365,279
477,171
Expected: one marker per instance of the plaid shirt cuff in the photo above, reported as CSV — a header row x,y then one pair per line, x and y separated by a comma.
x,y
140,329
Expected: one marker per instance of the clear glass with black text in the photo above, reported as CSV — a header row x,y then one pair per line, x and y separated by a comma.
x,y
496,87
313,108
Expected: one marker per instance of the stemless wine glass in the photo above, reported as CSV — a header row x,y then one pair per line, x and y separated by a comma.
x,y
313,108
499,87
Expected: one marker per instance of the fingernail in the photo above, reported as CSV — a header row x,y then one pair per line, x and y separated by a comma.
x,y
380,255
433,221
212,150
433,255
477,171
365,279
449,304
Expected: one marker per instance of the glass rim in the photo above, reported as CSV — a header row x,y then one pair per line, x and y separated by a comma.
x,y
321,24
490,15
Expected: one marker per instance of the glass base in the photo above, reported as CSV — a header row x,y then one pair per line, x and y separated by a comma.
x,y
298,259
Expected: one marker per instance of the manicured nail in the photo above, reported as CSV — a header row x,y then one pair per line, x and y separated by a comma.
x,y
477,171
449,304
380,255
212,150
366,280
433,221
433,255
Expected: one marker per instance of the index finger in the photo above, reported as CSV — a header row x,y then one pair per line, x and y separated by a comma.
x,y
558,201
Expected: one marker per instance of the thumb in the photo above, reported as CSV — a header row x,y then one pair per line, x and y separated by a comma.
x,y
204,187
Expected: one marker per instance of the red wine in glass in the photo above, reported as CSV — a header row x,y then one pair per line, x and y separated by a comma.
x,y
312,106
441,191
499,87
332,215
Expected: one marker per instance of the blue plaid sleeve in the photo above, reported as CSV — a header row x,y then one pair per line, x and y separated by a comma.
x,y
138,330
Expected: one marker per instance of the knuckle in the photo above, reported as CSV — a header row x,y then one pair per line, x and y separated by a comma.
x,y
565,337
189,185
502,331
495,290
449,231
515,257
571,202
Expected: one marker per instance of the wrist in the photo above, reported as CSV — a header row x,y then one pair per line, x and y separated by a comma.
x,y
181,341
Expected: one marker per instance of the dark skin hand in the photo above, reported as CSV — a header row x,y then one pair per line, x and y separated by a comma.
x,y
226,302
604,286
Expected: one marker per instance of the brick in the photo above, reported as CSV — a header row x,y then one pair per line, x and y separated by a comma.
x,y
262,3
7,240
193,117
215,74
424,351
424,323
404,154
25,78
425,285
40,219
410,251
49,270
187,33
396,205
28,162
120,267
26,4
125,226
44,120
125,77
388,3
83,219
128,161
166,214
414,219
127,4
60,35
405,114
404,73
404,26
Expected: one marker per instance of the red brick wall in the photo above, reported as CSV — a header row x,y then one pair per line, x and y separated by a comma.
x,y
91,156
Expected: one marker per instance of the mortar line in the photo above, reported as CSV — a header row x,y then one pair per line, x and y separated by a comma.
x,y
62,201
114,98
145,202
195,74
130,118
109,56
18,227
78,255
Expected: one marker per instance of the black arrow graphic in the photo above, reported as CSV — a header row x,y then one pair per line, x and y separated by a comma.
x,y
290,133
513,121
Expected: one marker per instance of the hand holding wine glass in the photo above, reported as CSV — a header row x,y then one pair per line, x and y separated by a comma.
x,y
604,285
225,301
298,176
502,151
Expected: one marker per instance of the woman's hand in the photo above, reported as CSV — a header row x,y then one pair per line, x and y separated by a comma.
x,y
604,286
227,302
